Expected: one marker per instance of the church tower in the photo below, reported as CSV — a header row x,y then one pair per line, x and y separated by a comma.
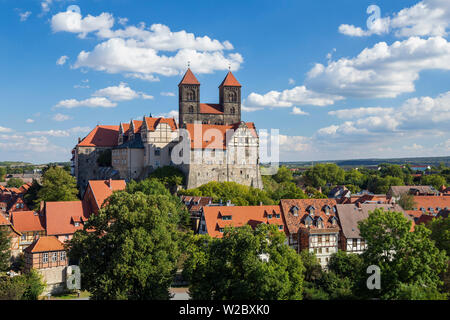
x,y
230,99
188,99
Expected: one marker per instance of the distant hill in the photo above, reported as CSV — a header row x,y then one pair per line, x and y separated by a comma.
x,y
14,164
432,161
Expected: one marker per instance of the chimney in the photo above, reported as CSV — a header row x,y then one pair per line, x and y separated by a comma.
x,y
79,139
109,183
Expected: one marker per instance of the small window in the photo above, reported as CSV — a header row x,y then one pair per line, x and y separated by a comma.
x,y
269,216
277,216
45,257
221,230
157,151
191,109
54,256
77,224
226,217
280,227
63,256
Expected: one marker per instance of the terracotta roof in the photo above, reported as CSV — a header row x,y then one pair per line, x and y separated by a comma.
x,y
45,244
350,214
294,223
230,81
125,127
102,189
4,221
152,123
24,221
211,108
137,124
240,216
436,203
101,136
203,141
379,198
59,216
189,78
15,190
195,203
423,219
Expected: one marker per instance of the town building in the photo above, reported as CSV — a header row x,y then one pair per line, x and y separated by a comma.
x,y
48,256
214,219
30,224
395,192
349,215
428,205
312,224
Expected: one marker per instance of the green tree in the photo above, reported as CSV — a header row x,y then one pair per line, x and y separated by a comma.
x,y
133,249
2,174
5,252
322,174
434,180
12,288
418,292
31,196
14,183
104,158
234,267
170,176
223,191
34,285
404,257
354,177
345,264
406,201
381,185
283,175
57,185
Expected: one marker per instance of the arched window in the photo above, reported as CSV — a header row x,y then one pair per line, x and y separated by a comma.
x,y
232,110
232,97
191,109
191,95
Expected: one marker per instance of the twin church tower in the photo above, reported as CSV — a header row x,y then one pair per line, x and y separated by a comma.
x,y
226,112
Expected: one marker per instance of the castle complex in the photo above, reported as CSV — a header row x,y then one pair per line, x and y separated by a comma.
x,y
209,142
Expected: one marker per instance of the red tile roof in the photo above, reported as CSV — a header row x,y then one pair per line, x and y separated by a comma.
x,y
45,244
125,127
437,203
230,81
208,141
240,216
189,78
103,189
26,221
294,223
211,108
59,216
101,136
152,123
137,124
4,221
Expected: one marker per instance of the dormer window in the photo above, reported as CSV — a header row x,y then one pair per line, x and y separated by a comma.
x,y
319,223
277,215
221,230
308,221
327,210
269,216
77,224
294,211
226,217
311,210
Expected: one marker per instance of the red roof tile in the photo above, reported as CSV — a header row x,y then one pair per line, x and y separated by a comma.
x,y
4,221
294,223
25,221
189,78
434,202
59,216
240,216
103,189
211,108
152,123
101,136
45,244
230,81
137,124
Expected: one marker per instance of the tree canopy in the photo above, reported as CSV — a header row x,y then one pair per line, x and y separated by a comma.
x,y
57,185
244,264
14,183
133,250
404,257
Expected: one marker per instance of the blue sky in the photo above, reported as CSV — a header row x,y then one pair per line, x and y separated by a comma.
x,y
336,86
